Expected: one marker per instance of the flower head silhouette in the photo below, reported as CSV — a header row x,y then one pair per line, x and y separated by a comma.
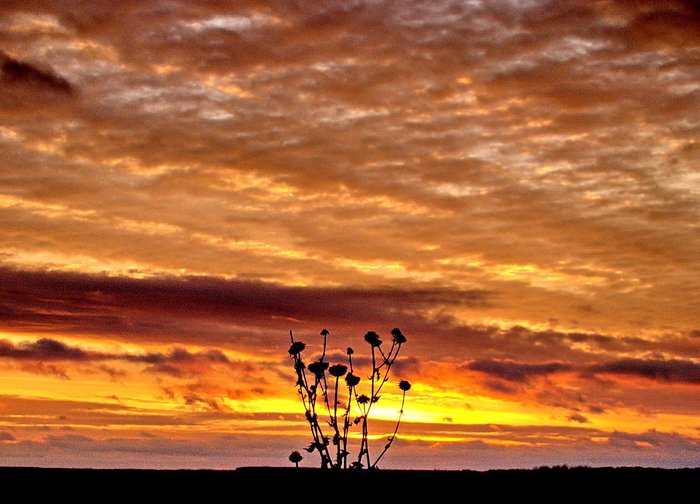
x,y
373,339
296,348
318,368
398,336
352,380
338,370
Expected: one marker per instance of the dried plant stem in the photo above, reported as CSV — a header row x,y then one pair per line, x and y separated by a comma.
x,y
382,363
346,427
393,435
336,438
372,400
365,433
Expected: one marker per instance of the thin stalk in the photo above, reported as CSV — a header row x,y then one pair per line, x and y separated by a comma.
x,y
321,438
324,389
374,375
388,367
369,406
322,381
363,441
393,435
364,435
335,424
346,427
335,403
382,352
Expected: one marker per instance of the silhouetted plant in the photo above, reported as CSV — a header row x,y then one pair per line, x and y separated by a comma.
x,y
313,387
295,457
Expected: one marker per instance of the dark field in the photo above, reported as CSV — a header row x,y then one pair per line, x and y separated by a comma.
x,y
313,485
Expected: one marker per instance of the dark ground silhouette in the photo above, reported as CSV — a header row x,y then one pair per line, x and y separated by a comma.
x,y
314,485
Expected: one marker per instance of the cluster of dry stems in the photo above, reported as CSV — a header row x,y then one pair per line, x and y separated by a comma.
x,y
318,384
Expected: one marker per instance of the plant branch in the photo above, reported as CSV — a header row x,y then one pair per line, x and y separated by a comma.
x,y
393,435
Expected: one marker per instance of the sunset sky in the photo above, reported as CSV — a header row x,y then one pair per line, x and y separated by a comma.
x,y
513,183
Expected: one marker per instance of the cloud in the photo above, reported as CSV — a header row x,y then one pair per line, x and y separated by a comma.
x,y
46,349
244,314
6,436
670,371
177,355
653,440
54,370
42,349
515,371
193,399
490,125
41,357
677,371
18,73
114,373
212,296
578,418
674,25
108,411
167,369
500,387
181,307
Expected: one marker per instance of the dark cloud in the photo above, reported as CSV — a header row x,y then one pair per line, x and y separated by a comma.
x,y
667,24
167,369
41,357
179,355
515,371
672,371
19,73
114,373
193,399
44,349
578,418
654,439
109,412
179,308
53,370
500,387
654,369
214,297
243,314
6,436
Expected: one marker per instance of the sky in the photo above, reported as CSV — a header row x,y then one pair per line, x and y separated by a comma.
x,y
513,183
